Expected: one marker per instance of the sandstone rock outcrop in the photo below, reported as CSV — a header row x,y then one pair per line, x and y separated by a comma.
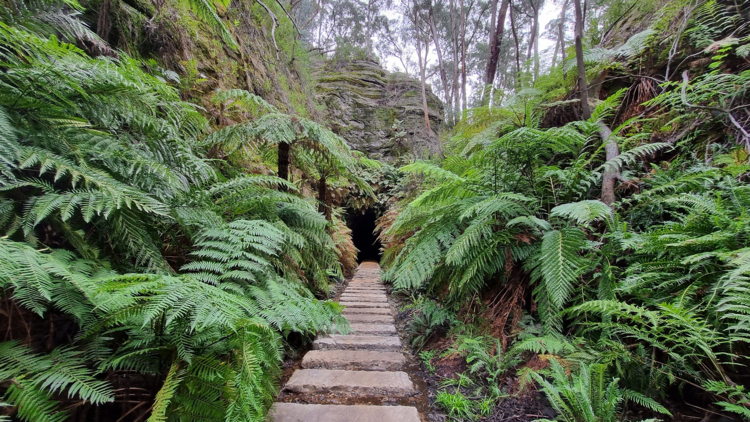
x,y
377,112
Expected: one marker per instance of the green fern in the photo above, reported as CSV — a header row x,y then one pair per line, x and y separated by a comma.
x,y
583,212
34,379
589,395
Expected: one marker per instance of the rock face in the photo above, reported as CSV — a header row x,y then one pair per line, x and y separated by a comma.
x,y
377,112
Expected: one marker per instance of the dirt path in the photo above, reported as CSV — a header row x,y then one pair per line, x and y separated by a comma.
x,y
360,377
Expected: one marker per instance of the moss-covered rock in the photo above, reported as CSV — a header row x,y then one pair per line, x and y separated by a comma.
x,y
180,42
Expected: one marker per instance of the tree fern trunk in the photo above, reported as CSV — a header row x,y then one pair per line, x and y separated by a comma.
x,y
283,160
323,207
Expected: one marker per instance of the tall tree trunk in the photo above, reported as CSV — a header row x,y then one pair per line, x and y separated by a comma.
x,y
441,65
422,66
283,162
611,149
532,34
493,18
323,207
456,58
536,42
582,85
554,55
463,55
561,37
515,39
496,39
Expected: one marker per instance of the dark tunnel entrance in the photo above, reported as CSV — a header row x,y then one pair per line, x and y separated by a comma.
x,y
363,234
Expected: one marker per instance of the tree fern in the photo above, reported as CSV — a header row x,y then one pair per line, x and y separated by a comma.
x,y
105,161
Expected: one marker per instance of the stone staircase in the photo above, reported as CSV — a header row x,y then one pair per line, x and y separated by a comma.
x,y
361,373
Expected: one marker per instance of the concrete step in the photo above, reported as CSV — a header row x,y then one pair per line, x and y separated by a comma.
x,y
369,319
358,342
293,412
363,360
378,311
363,304
360,383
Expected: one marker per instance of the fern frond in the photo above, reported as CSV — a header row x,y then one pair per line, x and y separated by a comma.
x,y
583,212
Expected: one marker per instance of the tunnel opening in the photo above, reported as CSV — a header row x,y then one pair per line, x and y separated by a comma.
x,y
365,240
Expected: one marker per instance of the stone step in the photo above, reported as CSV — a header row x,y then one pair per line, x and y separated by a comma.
x,y
361,298
360,383
364,293
357,342
363,360
360,328
369,319
370,300
378,311
293,412
363,304
366,289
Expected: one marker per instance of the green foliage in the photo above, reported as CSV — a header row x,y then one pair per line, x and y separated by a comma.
x,y
34,380
428,320
739,400
168,264
588,395
426,357
486,360
558,264
458,406
651,290
583,212
205,10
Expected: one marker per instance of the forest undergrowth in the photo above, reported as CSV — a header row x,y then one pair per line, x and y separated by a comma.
x,y
516,266
149,270
158,259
